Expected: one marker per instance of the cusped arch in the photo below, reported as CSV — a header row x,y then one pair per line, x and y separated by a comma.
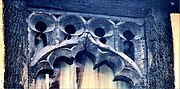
x,y
100,27
65,54
111,60
37,20
58,60
128,26
60,55
102,54
130,73
124,57
43,67
72,21
79,56
46,51
125,79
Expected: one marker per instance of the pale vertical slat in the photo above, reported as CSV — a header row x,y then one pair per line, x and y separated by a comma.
x,y
123,85
105,77
89,77
67,77
100,78
54,80
175,18
40,82
1,47
47,81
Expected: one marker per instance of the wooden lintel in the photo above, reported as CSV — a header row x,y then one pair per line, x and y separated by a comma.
x,y
103,7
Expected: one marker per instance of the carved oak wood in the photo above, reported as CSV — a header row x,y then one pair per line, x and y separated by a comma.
x,y
155,63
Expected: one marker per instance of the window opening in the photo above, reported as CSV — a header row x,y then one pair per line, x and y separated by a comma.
x,y
99,32
103,40
40,40
128,35
129,49
70,29
41,26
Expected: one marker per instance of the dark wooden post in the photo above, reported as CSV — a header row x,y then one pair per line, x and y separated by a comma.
x,y
160,45
15,34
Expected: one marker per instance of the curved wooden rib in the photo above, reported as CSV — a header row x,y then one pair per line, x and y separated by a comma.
x,y
125,79
128,73
111,60
65,52
102,53
120,54
44,52
43,67
93,52
62,52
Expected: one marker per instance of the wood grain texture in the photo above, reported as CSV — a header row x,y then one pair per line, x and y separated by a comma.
x,y
15,33
128,8
103,7
1,47
17,54
160,44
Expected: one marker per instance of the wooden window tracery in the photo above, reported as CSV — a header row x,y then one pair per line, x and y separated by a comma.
x,y
95,34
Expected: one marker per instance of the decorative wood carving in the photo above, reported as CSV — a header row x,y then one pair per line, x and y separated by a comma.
x,y
95,38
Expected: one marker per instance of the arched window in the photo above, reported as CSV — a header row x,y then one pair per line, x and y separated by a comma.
x,y
40,37
40,81
70,29
64,73
124,82
128,44
40,40
100,32
129,49
123,85
80,74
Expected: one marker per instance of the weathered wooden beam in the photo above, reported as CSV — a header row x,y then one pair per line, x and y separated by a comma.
x,y
160,47
103,7
170,6
136,8
15,39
